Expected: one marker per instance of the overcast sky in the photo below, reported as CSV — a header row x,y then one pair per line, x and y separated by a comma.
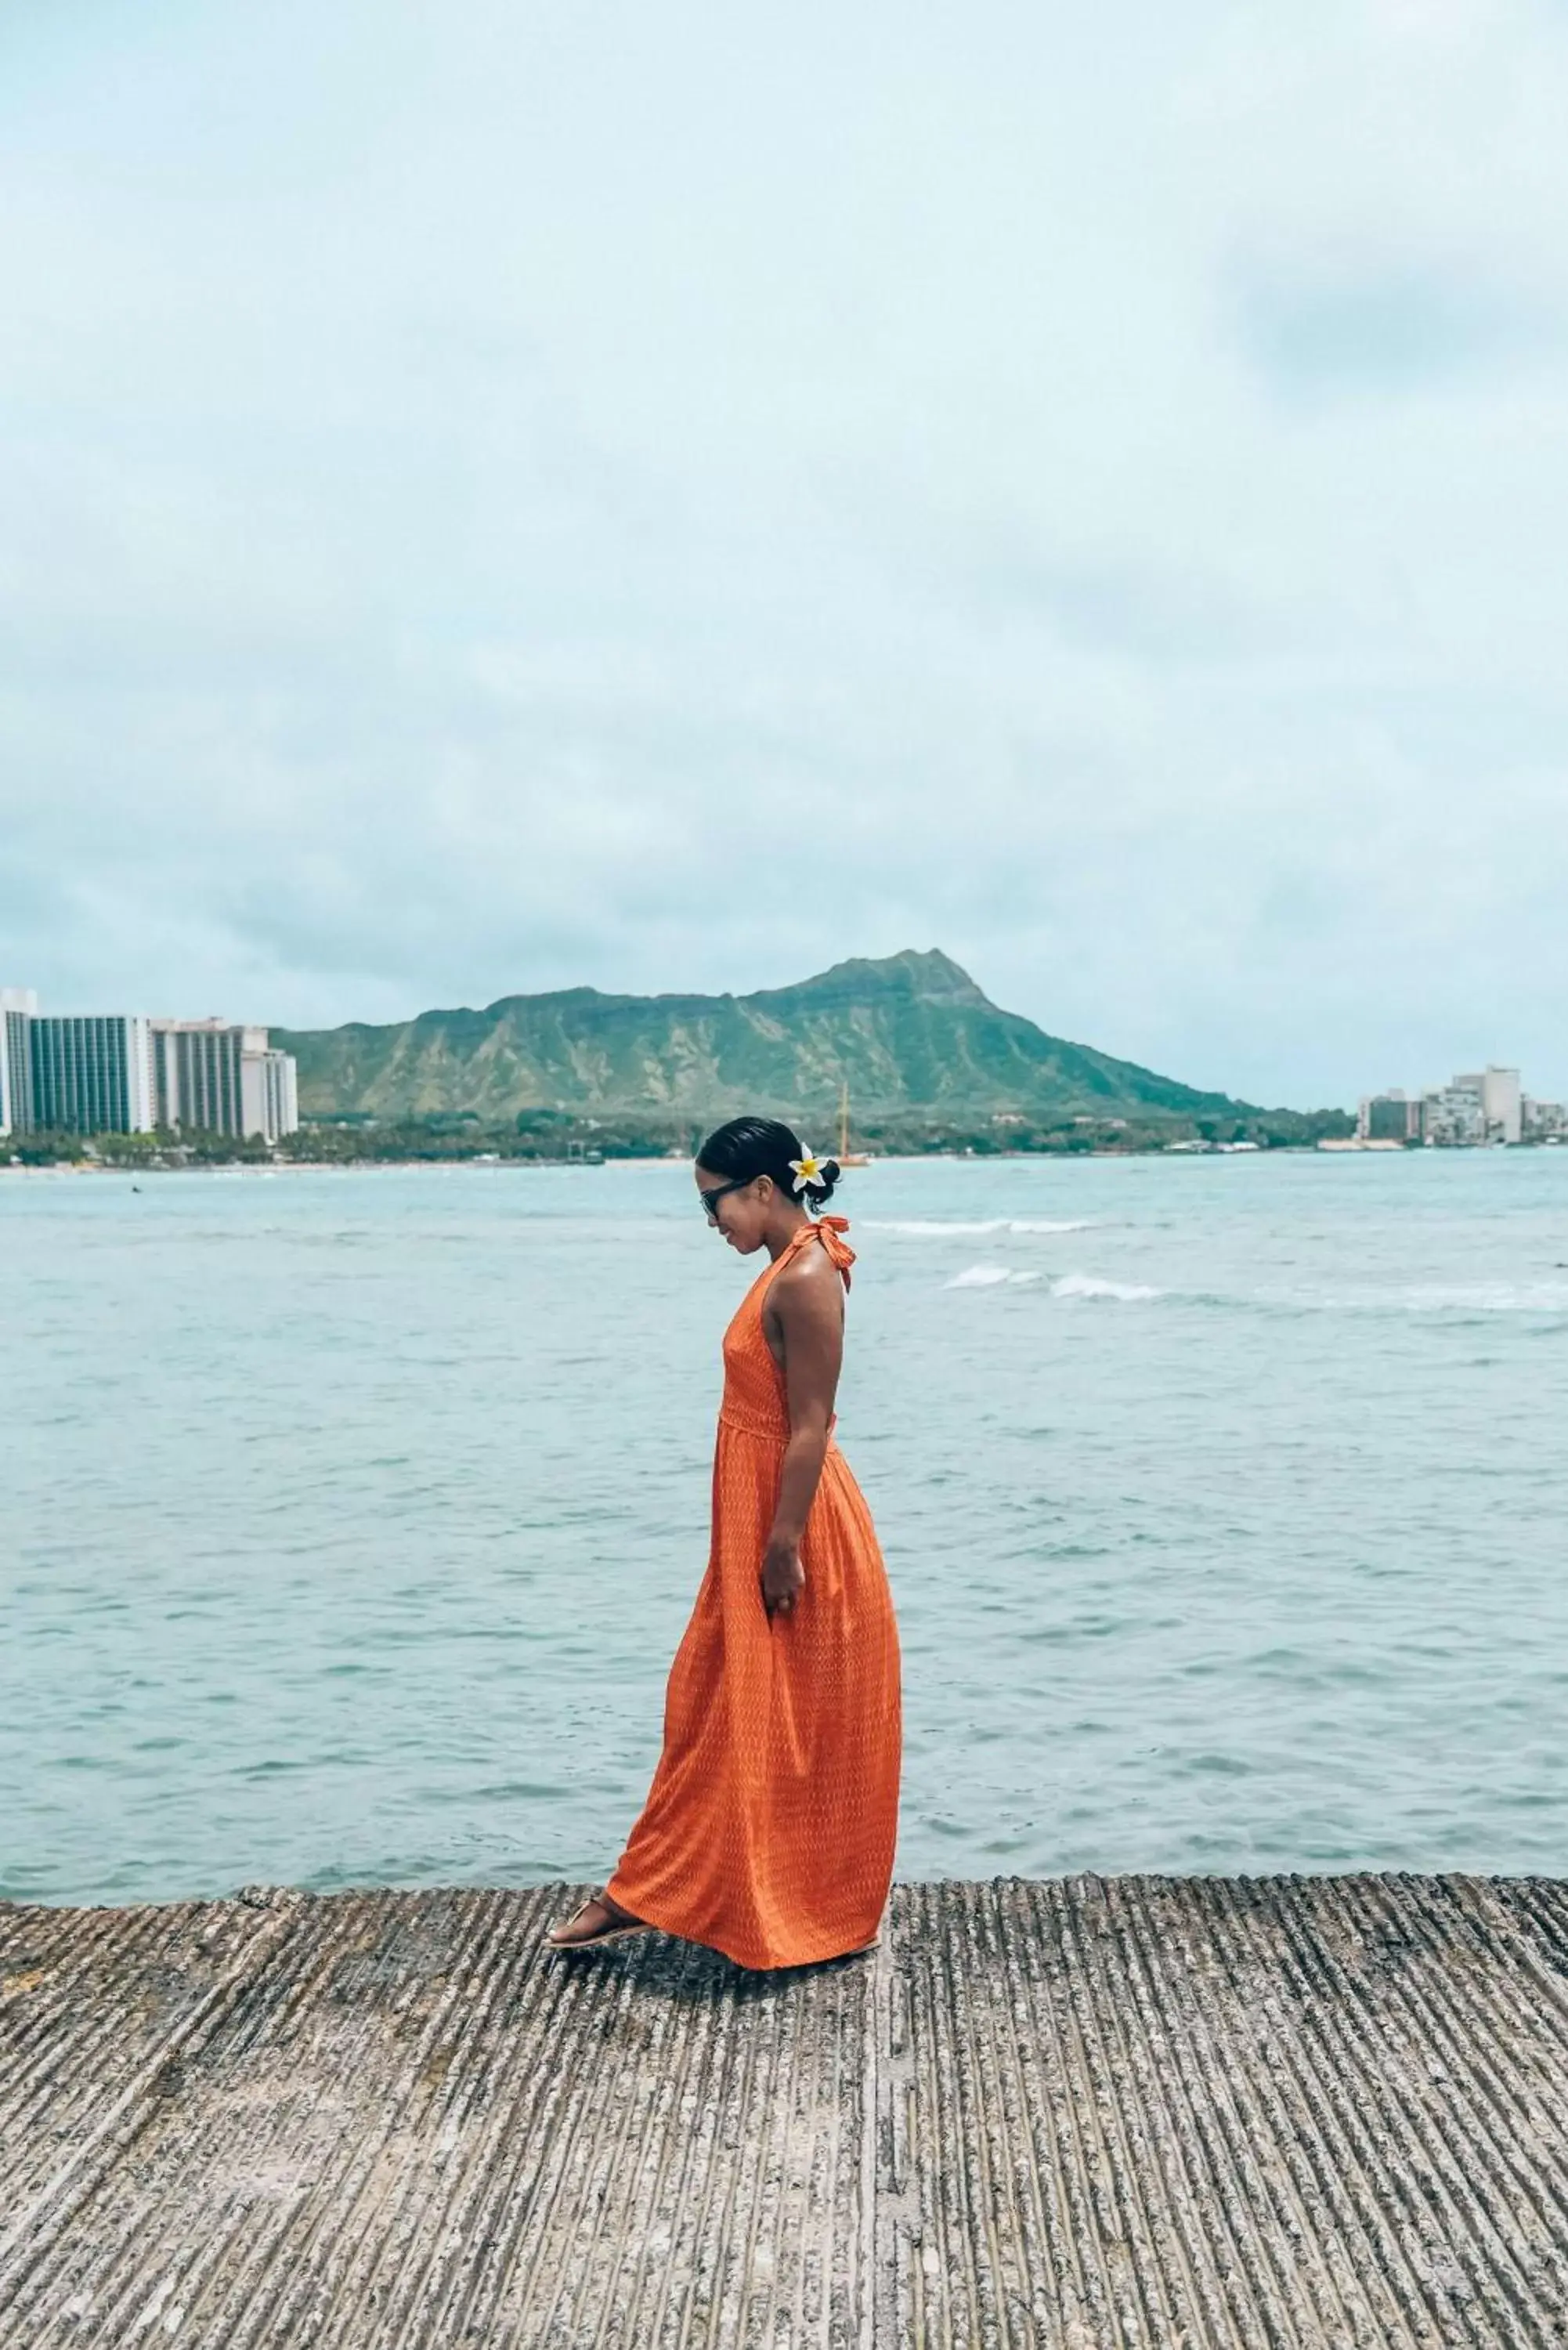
x,y
500,498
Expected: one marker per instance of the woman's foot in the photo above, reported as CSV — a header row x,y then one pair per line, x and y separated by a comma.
x,y
598,1921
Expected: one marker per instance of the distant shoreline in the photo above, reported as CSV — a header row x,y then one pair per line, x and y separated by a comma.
x,y
578,1166
518,1165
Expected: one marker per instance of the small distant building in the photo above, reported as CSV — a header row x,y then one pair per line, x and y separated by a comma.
x,y
1544,1121
1453,1118
1502,1102
1391,1117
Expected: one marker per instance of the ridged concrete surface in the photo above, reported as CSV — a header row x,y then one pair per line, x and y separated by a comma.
x,y
1093,2114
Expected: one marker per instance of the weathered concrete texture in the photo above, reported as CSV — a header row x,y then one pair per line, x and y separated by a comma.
x,y
1326,2110
1098,2112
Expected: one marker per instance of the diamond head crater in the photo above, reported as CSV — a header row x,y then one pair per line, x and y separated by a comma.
x,y
904,1052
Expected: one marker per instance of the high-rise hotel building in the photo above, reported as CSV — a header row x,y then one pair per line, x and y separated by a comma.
x,y
18,1006
124,1074
224,1080
91,1074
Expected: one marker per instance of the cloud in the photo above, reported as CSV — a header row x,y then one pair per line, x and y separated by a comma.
x,y
666,499
1385,330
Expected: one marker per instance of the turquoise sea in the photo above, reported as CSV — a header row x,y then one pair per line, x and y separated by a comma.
x,y
350,1519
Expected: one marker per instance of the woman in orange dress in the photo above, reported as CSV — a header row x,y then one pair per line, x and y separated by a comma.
x,y
769,1829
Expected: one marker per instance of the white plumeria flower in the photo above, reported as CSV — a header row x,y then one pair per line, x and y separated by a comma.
x,y
806,1170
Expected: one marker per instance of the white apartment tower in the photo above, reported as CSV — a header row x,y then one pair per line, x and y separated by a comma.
x,y
18,1006
269,1087
1502,1105
220,1079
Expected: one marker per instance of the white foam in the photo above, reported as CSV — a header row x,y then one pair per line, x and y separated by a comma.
x,y
933,1232
930,1230
979,1277
1085,1284
1468,1297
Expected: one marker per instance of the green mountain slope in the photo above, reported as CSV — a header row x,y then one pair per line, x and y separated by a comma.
x,y
910,1032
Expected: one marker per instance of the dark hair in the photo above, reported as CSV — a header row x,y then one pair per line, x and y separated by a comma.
x,y
745,1147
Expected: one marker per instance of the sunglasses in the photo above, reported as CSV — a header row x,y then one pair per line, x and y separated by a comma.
x,y
711,1199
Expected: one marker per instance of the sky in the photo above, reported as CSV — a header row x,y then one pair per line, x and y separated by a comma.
x,y
500,498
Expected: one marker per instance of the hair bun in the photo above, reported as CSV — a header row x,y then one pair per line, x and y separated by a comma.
x,y
821,1191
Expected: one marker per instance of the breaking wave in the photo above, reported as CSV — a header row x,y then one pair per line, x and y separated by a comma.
x,y
1085,1285
930,1230
1071,1284
1459,1297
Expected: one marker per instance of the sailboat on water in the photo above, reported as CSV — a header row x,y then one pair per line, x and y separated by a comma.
x,y
847,1157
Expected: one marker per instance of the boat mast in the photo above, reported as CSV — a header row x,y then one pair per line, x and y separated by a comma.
x,y
844,1120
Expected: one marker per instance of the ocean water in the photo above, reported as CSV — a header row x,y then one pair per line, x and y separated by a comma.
x,y
351,1519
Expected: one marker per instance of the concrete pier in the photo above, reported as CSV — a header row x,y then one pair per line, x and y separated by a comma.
x,y
1095,2114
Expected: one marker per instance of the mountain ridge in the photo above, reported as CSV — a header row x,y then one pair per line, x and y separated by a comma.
x,y
907,1033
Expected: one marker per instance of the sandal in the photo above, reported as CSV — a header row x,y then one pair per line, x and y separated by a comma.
x,y
618,1925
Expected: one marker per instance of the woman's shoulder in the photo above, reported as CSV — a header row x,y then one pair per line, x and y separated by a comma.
x,y
809,1272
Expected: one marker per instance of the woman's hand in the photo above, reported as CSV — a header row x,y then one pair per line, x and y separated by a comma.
x,y
783,1577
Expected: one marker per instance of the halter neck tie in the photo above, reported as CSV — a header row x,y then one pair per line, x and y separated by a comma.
x,y
830,1231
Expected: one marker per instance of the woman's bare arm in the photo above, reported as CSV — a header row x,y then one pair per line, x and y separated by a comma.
x,y
805,1311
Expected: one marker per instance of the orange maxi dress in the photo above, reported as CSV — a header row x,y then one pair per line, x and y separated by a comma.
x,y
768,1831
